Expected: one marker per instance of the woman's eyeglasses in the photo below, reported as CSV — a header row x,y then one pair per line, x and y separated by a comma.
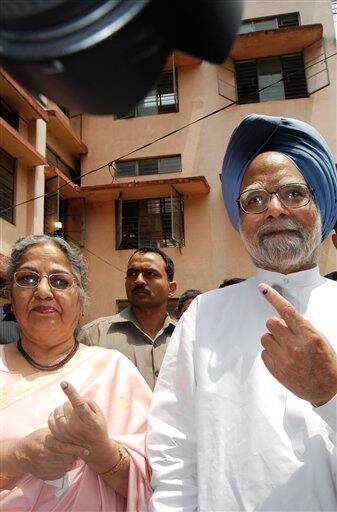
x,y
31,279
294,195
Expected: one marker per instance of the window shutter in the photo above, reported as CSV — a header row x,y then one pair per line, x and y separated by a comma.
x,y
226,80
288,20
246,81
295,83
119,221
52,202
7,170
167,92
74,221
8,114
177,221
127,224
316,67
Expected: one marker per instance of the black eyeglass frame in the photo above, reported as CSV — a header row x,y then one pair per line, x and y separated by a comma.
x,y
310,195
48,276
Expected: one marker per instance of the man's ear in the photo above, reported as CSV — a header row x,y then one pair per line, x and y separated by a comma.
x,y
334,239
173,288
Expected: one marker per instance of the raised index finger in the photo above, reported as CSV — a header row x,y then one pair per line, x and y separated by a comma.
x,y
294,320
80,406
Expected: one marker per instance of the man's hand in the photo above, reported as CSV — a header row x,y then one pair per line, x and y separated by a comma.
x,y
296,354
80,421
43,456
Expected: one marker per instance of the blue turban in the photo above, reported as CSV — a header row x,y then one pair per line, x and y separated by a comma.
x,y
297,140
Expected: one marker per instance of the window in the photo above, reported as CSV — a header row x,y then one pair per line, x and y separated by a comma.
x,y
148,166
55,161
163,98
64,217
7,175
150,222
271,78
8,114
273,22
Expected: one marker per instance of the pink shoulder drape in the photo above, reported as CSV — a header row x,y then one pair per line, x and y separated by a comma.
x,y
107,377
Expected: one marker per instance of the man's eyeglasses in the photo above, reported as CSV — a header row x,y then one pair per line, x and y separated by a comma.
x,y
294,195
31,279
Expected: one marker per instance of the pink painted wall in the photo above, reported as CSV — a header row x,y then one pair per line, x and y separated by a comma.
x,y
213,249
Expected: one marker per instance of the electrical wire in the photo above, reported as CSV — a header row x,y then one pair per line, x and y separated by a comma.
x,y
168,134
112,163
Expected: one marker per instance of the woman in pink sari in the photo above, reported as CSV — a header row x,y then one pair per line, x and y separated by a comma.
x,y
73,418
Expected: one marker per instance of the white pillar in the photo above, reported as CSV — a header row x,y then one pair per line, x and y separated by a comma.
x,y
38,209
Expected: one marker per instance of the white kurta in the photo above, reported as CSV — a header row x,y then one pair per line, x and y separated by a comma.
x,y
224,434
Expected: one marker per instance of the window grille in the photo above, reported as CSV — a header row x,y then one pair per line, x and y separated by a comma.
x,y
150,222
7,184
64,217
295,82
163,98
270,23
55,161
271,78
148,166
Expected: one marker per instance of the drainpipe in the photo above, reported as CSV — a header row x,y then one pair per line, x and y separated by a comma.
x,y
38,209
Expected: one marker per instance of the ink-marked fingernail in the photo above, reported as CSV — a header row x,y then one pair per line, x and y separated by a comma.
x,y
64,385
262,288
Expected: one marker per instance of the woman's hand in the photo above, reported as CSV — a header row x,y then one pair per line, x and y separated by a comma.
x,y
43,456
80,421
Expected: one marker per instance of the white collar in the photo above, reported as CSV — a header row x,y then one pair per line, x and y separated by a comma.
x,y
303,278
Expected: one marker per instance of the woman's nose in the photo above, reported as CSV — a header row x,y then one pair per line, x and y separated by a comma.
x,y
43,289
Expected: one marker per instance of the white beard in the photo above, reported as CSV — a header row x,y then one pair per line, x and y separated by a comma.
x,y
284,252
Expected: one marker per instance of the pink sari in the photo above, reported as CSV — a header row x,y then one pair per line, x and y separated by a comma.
x,y
110,379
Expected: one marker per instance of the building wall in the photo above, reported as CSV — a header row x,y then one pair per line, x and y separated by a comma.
x,y
213,250
24,177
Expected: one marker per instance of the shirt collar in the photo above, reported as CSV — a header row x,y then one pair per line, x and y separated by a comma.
x,y
126,315
303,278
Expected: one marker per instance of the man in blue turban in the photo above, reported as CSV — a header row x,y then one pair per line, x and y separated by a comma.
x,y
296,140
244,410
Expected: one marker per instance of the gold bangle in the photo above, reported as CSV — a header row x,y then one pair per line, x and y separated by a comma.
x,y
114,469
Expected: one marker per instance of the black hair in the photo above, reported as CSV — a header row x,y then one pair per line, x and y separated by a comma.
x,y
332,275
187,295
229,282
168,262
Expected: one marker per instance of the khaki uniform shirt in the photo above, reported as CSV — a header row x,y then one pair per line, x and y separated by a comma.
x,y
122,332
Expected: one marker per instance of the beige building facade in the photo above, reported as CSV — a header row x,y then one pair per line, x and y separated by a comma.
x,y
165,191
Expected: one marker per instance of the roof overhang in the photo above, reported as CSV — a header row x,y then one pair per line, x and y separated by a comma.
x,y
280,41
181,59
193,185
68,189
62,131
18,147
20,99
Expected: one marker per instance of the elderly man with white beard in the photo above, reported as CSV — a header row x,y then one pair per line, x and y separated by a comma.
x,y
244,411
